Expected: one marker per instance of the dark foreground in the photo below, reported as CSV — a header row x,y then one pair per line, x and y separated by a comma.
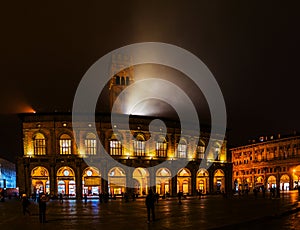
x,y
211,212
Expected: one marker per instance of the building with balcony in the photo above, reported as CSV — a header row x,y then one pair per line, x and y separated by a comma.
x,y
272,162
57,160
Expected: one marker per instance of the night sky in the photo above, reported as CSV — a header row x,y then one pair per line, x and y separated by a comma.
x,y
251,47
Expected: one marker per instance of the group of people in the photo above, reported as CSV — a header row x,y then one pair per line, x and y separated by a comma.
x,y
42,200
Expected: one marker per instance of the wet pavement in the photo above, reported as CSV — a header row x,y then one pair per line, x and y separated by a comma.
x,y
210,212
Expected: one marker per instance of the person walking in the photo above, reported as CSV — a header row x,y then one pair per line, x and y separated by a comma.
x,y
150,201
42,207
61,198
25,204
85,198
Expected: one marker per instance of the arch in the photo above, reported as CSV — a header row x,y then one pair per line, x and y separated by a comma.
x,y
39,144
90,136
296,176
39,135
271,182
285,182
116,136
161,146
201,149
116,181
91,182
184,172
202,181
163,172
66,181
65,136
40,180
184,181
219,181
65,144
139,145
163,181
140,137
141,177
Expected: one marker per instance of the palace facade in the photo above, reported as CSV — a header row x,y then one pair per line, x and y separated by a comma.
x,y
57,160
269,162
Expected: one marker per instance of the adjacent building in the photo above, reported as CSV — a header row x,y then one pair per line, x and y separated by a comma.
x,y
7,174
272,161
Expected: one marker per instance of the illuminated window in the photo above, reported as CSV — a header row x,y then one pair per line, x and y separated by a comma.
x,y
201,150
161,148
139,146
65,144
90,144
115,147
182,149
39,143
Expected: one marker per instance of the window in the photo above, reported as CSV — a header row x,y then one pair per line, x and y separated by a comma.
x,y
39,143
90,144
117,80
200,150
182,149
115,147
122,81
139,146
65,144
161,148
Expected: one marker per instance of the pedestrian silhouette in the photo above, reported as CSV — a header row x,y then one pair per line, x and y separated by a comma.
x,y
42,207
85,198
25,204
61,198
180,194
150,200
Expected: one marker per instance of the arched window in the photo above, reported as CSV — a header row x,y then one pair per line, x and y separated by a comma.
x,y
127,81
90,144
122,80
200,149
39,144
115,145
182,149
117,80
65,144
161,147
139,146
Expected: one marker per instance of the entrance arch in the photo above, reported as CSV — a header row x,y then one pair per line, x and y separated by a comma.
x,y
284,182
202,181
40,180
271,182
296,176
141,178
91,181
66,181
163,181
184,181
116,181
219,181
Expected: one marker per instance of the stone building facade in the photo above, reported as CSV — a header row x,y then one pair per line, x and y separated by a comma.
x,y
269,162
57,160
